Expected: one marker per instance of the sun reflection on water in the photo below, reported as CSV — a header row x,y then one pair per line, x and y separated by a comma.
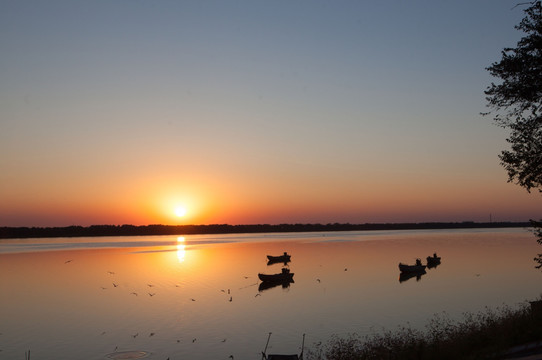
x,y
181,249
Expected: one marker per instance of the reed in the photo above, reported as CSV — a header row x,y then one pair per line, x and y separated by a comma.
x,y
488,334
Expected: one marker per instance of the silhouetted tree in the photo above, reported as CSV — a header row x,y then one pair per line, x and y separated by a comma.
x,y
517,105
517,101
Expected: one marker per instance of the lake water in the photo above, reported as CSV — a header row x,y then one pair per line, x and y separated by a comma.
x,y
199,297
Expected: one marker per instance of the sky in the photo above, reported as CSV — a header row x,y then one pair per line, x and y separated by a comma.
x,y
253,112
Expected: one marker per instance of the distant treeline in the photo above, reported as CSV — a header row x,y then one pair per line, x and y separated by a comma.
x,y
131,230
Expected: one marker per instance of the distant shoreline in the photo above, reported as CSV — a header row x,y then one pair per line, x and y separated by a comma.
x,y
146,230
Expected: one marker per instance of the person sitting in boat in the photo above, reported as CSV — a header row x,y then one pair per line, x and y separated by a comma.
x,y
435,255
285,271
418,262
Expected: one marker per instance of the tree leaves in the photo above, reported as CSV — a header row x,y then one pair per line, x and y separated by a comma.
x,y
517,101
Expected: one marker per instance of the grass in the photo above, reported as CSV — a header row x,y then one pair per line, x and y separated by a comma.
x,y
484,335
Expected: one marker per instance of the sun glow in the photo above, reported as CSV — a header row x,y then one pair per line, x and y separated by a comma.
x,y
180,211
175,205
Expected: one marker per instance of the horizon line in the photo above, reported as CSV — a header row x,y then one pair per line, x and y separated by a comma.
x,y
158,229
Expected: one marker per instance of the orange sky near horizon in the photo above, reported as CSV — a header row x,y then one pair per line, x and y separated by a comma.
x,y
252,200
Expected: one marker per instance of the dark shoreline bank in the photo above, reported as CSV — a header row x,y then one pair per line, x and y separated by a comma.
x,y
146,230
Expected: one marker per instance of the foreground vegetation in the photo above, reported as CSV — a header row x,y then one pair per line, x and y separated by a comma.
x,y
488,334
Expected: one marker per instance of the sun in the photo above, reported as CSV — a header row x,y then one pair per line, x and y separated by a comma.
x,y
180,211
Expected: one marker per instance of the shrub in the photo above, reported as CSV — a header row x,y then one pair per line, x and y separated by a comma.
x,y
484,335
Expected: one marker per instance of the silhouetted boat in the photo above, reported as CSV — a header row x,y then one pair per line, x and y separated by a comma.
x,y
283,357
418,267
284,276
271,262
284,258
404,276
433,261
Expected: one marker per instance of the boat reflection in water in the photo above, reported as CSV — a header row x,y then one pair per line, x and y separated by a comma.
x,y
265,285
284,258
284,278
404,276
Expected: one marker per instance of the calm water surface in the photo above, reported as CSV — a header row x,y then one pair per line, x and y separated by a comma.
x,y
199,297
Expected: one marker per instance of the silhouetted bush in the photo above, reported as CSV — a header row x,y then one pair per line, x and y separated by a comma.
x,y
484,335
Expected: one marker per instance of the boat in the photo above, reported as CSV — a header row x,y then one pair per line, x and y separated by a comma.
x,y
433,260
283,357
404,276
271,262
284,258
284,276
418,267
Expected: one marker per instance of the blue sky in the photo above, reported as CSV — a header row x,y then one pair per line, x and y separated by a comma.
x,y
258,111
